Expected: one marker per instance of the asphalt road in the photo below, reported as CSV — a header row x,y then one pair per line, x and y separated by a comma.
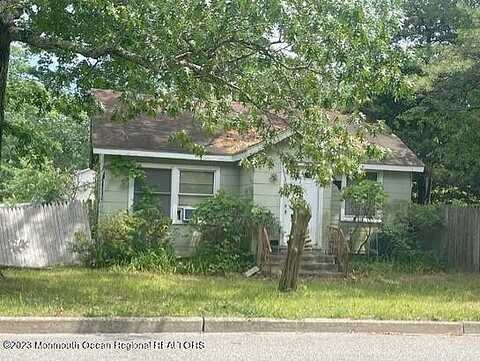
x,y
240,346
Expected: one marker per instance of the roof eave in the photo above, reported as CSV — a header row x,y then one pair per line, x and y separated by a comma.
x,y
233,158
169,155
395,168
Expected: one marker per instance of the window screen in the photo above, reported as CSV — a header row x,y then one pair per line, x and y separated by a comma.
x,y
154,189
195,186
349,206
196,182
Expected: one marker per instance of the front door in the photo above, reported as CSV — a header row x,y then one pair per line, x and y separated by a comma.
x,y
311,192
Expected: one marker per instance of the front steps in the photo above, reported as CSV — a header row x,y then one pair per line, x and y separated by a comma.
x,y
315,263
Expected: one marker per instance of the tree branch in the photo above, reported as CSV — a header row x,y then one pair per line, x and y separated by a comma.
x,y
10,10
93,52
48,43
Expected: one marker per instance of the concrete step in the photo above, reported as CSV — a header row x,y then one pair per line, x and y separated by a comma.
x,y
305,258
310,265
319,267
310,274
306,250
315,263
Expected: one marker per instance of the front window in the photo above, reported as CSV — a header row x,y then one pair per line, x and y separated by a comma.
x,y
195,186
154,189
347,211
173,188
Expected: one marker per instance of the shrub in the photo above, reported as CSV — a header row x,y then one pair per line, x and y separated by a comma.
x,y
406,237
38,183
160,260
225,224
129,238
367,199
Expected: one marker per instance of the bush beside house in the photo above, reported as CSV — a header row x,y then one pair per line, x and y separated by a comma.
x,y
140,240
367,199
408,235
226,225
404,240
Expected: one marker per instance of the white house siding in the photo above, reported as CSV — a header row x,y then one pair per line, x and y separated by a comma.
x,y
266,187
326,207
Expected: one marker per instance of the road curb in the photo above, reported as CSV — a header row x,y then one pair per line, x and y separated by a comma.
x,y
471,328
332,325
88,325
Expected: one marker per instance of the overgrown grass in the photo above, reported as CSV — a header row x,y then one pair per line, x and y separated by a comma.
x,y
85,292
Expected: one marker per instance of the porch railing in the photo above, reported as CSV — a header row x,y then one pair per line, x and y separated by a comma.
x,y
264,252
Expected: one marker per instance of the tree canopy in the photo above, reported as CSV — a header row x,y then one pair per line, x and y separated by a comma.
x,y
291,57
46,138
440,119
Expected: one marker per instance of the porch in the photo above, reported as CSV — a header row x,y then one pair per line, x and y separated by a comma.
x,y
316,262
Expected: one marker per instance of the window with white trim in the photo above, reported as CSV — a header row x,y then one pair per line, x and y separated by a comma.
x,y
195,186
347,206
156,184
174,187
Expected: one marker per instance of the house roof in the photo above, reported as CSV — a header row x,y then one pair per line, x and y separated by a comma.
x,y
147,135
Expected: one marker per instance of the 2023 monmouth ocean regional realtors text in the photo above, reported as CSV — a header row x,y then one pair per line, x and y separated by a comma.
x,y
105,345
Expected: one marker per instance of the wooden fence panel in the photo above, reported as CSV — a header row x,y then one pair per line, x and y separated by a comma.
x,y
461,240
41,235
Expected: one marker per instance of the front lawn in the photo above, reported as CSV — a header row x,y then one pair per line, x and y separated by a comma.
x,y
83,292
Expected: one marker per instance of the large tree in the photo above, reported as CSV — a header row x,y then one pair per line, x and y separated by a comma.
x,y
440,121
293,58
45,140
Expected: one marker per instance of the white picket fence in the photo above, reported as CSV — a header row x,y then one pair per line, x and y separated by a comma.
x,y
41,235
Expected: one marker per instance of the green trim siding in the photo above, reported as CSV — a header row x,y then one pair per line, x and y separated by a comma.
x,y
398,186
115,192
115,188
230,178
246,182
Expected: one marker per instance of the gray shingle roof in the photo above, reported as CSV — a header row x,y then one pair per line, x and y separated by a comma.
x,y
151,134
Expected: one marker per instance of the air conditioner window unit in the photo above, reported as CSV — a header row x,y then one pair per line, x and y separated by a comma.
x,y
187,213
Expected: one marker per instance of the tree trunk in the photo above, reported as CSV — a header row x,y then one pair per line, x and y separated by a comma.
x,y
425,186
296,241
4,60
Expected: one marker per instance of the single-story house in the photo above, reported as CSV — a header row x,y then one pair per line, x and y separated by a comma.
x,y
181,180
